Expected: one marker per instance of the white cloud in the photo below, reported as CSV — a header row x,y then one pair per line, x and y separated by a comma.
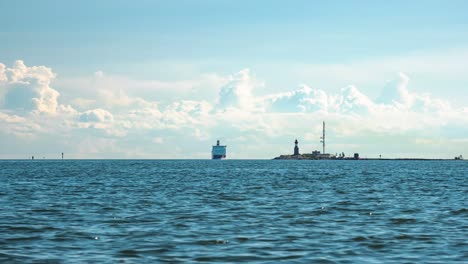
x,y
119,93
396,92
260,125
440,72
99,74
305,99
238,92
158,140
96,116
425,103
148,117
28,88
17,125
116,99
3,77
353,101
102,123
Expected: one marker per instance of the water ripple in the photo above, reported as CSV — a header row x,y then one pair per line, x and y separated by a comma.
x,y
110,211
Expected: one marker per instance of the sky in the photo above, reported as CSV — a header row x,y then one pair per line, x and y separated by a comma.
x,y
166,79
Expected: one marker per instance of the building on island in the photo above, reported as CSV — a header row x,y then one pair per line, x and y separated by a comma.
x,y
317,155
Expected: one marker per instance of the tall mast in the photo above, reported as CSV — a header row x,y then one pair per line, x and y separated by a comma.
x,y
323,137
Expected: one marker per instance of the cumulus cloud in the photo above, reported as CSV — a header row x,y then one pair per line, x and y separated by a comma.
x,y
117,99
148,117
96,116
185,113
238,92
17,126
307,100
353,101
119,93
28,88
3,77
234,112
158,140
99,74
395,97
396,92
102,123
425,103
304,99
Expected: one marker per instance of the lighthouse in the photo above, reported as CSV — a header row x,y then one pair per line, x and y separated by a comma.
x,y
296,149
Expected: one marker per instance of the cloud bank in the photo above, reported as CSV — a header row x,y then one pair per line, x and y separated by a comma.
x,y
108,119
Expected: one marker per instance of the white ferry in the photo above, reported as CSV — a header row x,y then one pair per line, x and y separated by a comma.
x,y
218,151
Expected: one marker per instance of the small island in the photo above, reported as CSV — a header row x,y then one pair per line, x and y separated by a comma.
x,y
315,155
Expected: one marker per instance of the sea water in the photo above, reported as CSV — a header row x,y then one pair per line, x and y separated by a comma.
x,y
178,211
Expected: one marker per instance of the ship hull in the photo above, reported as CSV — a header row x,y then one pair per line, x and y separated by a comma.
x,y
218,151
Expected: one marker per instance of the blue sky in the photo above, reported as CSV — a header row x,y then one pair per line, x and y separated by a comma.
x,y
109,59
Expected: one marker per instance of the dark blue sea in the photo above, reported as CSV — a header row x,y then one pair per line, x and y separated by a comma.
x,y
255,211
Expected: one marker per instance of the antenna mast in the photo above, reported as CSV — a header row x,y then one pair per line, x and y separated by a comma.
x,y
323,137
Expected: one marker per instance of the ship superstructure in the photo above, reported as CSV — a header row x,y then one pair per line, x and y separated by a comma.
x,y
218,151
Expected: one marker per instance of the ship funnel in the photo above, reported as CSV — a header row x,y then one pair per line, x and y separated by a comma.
x,y
217,142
